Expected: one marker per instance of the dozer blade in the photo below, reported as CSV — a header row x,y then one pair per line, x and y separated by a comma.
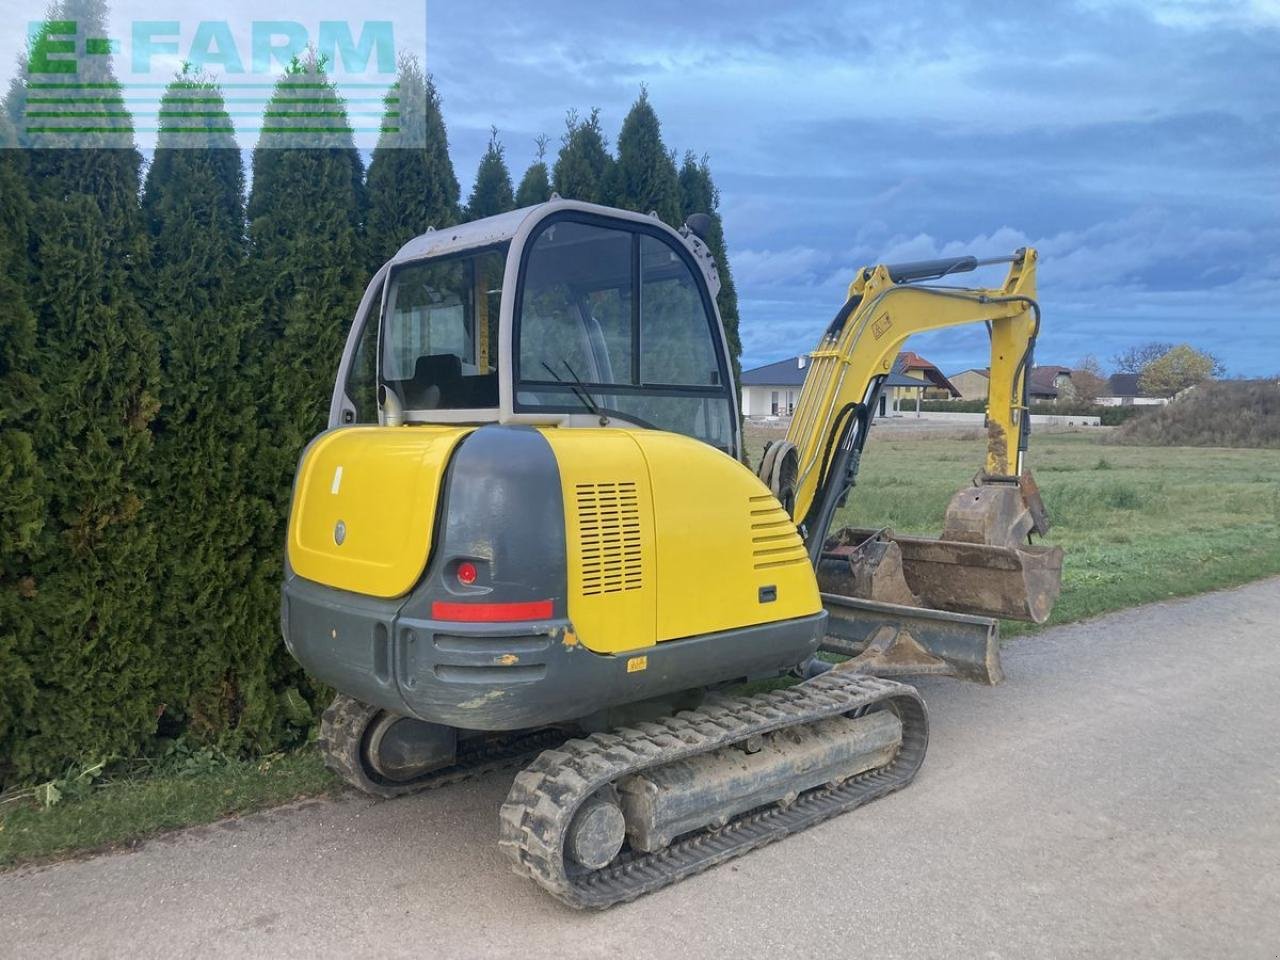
x,y
893,640
1010,582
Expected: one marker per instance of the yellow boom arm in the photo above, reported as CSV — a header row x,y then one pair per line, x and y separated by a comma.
x,y
884,308
983,564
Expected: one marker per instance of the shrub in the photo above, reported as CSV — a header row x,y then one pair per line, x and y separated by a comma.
x,y
1230,413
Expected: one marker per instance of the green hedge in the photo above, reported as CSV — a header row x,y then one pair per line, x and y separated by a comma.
x,y
166,349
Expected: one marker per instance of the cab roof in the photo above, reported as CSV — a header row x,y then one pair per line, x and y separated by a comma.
x,y
514,224
502,227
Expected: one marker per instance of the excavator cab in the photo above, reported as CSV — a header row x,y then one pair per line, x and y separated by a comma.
x,y
562,314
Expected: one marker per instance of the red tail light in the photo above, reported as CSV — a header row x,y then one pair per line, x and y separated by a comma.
x,y
491,612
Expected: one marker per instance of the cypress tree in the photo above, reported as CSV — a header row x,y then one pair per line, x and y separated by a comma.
x,y
644,176
698,194
535,185
411,183
307,275
584,168
491,193
90,584
304,232
21,490
206,432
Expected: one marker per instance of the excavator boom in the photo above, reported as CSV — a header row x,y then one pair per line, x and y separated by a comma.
x,y
983,563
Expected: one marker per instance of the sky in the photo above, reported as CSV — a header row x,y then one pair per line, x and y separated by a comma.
x,y
1135,143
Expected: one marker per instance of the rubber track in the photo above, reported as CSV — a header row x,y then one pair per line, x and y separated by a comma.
x,y
342,729
536,817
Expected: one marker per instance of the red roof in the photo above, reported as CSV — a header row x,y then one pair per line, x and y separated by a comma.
x,y
910,360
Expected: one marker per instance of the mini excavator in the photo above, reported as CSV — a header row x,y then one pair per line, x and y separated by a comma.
x,y
530,537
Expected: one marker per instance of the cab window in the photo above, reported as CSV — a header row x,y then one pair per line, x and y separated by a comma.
x,y
575,315
439,344
613,320
675,339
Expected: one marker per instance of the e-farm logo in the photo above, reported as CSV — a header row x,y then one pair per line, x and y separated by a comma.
x,y
326,82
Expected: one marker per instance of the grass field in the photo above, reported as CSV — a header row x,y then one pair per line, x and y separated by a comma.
x,y
120,811
1138,524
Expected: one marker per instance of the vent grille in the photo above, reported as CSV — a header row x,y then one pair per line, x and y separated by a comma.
x,y
774,540
609,530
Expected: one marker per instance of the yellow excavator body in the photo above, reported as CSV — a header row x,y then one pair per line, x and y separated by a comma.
x,y
666,537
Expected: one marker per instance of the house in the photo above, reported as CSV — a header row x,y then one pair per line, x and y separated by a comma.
x,y
774,389
1122,390
972,383
916,367
909,379
1049,383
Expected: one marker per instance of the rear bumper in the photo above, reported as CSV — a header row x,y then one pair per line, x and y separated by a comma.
x,y
508,676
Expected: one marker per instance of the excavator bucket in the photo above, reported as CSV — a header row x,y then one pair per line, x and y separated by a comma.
x,y
922,605
981,565
1011,583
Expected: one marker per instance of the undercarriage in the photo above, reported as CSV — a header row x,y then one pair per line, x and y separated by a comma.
x,y
603,818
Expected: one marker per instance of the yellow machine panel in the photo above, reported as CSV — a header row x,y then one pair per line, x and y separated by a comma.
x,y
608,510
728,555
364,504
669,538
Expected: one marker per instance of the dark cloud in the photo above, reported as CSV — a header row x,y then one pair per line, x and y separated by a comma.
x,y
1136,143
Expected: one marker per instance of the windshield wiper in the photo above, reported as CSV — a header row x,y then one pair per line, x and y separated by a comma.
x,y
579,390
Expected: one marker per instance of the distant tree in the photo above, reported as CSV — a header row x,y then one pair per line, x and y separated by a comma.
x,y
583,167
1133,359
644,176
491,194
1088,380
1181,367
411,184
206,434
698,194
535,185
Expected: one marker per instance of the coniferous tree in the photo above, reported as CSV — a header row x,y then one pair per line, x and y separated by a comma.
x,y
21,490
491,192
307,273
535,185
584,168
206,432
411,184
644,176
90,586
698,194
304,230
